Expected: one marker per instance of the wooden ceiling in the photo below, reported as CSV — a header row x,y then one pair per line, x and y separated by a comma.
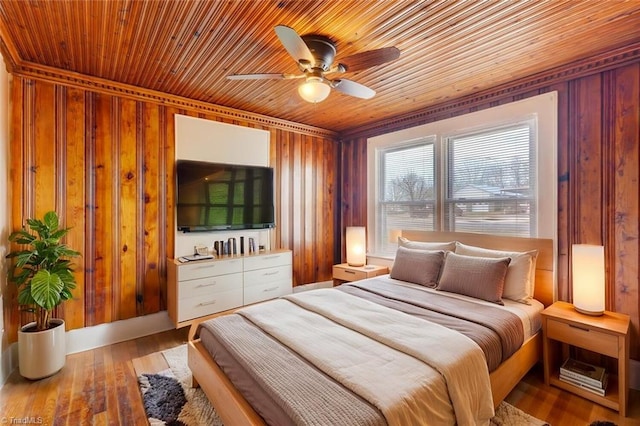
x,y
448,49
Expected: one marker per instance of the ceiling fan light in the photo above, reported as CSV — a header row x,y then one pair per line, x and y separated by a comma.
x,y
314,91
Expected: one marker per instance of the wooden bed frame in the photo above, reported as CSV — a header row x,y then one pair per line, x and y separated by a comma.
x,y
233,409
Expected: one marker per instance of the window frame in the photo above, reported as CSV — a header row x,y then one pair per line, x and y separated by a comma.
x,y
542,109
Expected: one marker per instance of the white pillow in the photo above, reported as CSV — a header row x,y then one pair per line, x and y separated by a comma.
x,y
422,245
521,274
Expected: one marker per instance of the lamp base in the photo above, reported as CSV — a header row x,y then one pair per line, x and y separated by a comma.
x,y
355,264
591,313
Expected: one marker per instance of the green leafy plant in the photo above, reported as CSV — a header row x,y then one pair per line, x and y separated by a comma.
x,y
42,268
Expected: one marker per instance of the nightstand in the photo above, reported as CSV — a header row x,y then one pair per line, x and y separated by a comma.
x,y
607,334
344,273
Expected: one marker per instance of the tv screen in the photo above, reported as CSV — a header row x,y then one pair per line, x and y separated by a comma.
x,y
215,196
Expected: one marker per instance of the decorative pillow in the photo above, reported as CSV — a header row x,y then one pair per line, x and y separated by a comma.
x,y
521,275
479,277
421,245
417,266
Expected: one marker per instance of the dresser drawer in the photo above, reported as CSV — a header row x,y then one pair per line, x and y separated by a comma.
x,y
198,306
348,274
268,275
265,291
196,270
583,336
208,285
267,260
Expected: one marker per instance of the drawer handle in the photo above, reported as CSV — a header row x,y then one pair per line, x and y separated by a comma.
x,y
270,289
206,285
213,302
271,273
350,272
210,265
578,327
270,257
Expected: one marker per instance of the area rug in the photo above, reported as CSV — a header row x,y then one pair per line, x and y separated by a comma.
x,y
169,398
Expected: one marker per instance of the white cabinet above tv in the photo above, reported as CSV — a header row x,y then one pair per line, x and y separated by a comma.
x,y
198,289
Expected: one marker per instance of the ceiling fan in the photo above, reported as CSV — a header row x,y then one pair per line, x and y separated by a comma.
x,y
315,55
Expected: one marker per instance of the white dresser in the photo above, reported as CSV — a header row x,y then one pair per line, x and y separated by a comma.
x,y
206,287
267,276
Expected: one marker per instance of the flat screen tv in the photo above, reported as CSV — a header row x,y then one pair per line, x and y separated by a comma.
x,y
216,196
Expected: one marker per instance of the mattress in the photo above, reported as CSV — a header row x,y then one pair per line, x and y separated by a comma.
x,y
315,397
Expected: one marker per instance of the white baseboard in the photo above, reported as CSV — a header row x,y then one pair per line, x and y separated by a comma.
x,y
86,338
9,362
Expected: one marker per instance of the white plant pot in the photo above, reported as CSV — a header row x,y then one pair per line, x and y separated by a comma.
x,y
41,353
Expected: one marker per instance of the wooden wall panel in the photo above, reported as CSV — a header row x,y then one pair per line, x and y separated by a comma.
x,y
169,178
564,219
128,222
305,169
598,176
353,197
100,307
17,160
154,200
106,164
43,150
625,217
585,145
71,186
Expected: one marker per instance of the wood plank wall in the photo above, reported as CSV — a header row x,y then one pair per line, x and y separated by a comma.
x,y
598,169
105,164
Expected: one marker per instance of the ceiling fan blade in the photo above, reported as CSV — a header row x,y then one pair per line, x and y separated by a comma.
x,y
352,88
263,76
370,58
294,44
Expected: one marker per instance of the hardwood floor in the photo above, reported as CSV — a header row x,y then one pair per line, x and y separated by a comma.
x,y
96,387
100,387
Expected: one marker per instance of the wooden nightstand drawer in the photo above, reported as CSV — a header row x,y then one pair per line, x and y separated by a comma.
x,y
344,273
584,337
348,274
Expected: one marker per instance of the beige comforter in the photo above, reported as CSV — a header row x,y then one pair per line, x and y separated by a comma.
x,y
412,370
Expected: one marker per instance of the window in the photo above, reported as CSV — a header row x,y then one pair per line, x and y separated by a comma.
x,y
480,173
490,181
407,189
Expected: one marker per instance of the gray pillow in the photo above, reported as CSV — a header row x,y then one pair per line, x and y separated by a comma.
x,y
423,245
519,284
479,277
417,266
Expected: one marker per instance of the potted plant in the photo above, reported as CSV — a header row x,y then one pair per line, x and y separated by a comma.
x,y
43,273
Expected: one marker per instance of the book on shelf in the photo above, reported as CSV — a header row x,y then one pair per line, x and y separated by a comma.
x,y
595,389
583,372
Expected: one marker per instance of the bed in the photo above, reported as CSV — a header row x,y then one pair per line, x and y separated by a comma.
x,y
234,409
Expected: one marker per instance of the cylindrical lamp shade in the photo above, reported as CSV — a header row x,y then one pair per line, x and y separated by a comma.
x,y
356,246
587,263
